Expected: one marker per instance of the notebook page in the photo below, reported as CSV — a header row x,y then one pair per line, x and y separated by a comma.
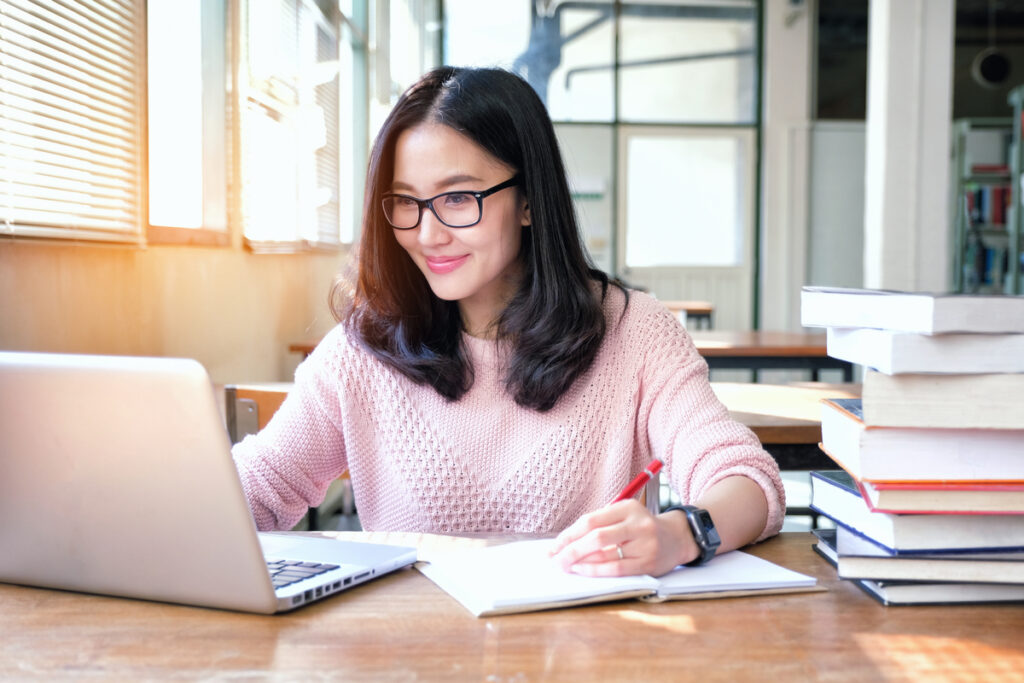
x,y
734,570
520,574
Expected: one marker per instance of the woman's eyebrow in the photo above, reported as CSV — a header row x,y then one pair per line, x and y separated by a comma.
x,y
441,186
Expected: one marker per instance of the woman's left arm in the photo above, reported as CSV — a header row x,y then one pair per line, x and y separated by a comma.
x,y
655,544
712,462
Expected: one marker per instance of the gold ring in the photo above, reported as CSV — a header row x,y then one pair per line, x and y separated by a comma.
x,y
618,549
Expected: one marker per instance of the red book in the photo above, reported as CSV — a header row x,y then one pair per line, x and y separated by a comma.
x,y
990,168
962,497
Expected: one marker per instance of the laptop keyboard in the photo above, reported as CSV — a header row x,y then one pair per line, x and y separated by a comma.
x,y
287,572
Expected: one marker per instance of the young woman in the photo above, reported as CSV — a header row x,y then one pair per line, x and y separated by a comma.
x,y
484,378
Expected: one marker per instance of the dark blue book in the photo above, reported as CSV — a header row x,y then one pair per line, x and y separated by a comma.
x,y
835,494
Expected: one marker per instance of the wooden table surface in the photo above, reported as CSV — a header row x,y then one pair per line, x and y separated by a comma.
x,y
781,413
712,343
402,628
758,350
691,308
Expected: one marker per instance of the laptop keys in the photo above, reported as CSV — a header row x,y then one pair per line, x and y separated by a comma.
x,y
287,572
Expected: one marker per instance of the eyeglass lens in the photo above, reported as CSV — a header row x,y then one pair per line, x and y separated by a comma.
x,y
455,209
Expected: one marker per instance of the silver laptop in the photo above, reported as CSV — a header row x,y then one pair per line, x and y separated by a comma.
x,y
116,478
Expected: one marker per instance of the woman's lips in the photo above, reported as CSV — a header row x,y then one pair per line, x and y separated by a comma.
x,y
441,265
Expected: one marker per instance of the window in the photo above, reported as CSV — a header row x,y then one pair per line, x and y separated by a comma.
x,y
290,125
688,197
280,152
71,120
688,63
188,121
681,88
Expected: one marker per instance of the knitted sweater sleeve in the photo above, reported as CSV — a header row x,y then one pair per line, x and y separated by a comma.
x,y
286,468
688,427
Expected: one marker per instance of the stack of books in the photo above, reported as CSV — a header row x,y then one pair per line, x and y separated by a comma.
x,y
929,503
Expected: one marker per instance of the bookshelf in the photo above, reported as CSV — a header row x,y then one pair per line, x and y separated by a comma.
x,y
1016,215
982,182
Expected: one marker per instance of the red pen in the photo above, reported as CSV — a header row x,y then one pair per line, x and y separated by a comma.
x,y
638,482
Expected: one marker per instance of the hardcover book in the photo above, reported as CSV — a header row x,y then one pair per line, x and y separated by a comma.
x,y
859,558
921,312
895,353
984,401
913,593
906,454
945,497
903,592
835,495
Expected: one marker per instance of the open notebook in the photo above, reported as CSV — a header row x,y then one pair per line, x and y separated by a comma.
x,y
519,577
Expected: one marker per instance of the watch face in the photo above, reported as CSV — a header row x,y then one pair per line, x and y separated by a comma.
x,y
705,519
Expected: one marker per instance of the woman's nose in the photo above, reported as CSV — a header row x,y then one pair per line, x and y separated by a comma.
x,y
432,230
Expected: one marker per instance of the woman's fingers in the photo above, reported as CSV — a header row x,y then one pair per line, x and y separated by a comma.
x,y
598,538
589,522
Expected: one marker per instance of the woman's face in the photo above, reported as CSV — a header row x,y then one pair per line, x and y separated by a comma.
x,y
477,266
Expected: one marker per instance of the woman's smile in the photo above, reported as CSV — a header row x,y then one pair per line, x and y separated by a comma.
x,y
445,264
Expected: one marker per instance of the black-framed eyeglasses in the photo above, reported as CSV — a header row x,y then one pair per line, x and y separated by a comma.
x,y
457,209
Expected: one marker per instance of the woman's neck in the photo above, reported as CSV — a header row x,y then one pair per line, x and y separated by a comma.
x,y
480,313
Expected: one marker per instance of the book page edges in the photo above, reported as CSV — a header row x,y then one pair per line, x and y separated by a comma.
x,y
737,593
559,604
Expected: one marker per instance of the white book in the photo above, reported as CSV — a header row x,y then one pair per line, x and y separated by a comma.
x,y
895,353
520,577
921,312
915,454
982,401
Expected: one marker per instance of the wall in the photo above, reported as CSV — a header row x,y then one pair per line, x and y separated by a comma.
x,y
233,311
836,204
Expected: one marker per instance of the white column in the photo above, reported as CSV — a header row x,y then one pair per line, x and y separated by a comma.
x,y
787,73
906,216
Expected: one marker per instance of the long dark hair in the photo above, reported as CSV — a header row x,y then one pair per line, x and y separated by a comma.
x,y
554,322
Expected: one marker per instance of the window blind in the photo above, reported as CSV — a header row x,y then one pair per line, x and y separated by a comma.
x,y
70,119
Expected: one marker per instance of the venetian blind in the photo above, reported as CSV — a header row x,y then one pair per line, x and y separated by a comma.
x,y
70,118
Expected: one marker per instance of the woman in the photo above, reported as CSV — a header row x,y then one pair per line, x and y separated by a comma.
x,y
484,378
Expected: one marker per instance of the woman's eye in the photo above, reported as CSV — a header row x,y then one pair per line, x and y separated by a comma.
x,y
456,200
404,202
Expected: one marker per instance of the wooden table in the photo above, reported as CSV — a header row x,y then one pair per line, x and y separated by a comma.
x,y
767,350
750,350
697,312
785,417
402,628
787,421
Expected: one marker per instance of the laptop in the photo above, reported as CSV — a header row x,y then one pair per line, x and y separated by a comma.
x,y
116,478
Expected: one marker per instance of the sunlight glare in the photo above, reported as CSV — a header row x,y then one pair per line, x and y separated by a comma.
x,y
175,113
676,623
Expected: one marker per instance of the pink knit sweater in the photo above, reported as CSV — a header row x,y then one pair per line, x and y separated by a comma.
x,y
484,464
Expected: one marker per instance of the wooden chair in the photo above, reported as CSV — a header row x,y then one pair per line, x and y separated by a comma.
x,y
248,408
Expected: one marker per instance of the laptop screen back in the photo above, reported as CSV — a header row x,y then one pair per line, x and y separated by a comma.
x,y
116,478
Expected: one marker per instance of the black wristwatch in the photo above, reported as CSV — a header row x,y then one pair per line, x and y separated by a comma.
x,y
704,532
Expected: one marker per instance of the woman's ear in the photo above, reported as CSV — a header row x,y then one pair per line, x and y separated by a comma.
x,y
524,214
